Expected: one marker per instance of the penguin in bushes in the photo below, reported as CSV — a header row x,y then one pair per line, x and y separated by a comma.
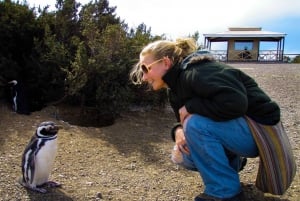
x,y
38,158
19,98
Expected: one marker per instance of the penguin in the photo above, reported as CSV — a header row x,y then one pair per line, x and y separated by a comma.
x,y
38,158
19,98
14,94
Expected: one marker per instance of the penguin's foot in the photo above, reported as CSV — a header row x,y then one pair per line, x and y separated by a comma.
x,y
52,184
49,184
33,188
40,190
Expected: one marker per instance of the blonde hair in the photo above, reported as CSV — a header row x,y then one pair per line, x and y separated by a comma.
x,y
176,51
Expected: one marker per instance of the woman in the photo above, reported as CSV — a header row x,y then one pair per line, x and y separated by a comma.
x,y
210,101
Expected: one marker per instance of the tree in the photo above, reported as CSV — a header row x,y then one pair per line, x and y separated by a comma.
x,y
94,75
17,30
85,55
296,59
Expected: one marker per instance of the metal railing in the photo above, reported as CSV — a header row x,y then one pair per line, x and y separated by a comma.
x,y
258,56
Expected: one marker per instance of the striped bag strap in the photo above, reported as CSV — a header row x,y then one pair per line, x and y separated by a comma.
x,y
277,166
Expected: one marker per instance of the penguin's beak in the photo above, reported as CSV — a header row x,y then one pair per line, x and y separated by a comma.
x,y
14,82
59,127
53,129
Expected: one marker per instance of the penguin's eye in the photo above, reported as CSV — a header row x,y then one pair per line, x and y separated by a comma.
x,y
44,131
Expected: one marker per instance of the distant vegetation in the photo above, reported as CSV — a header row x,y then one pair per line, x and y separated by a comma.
x,y
296,59
79,54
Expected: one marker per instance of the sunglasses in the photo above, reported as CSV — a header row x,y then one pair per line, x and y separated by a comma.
x,y
146,68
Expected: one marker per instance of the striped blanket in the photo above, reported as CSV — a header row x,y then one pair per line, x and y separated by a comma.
x,y
277,166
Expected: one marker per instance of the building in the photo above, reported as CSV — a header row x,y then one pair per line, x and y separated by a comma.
x,y
244,45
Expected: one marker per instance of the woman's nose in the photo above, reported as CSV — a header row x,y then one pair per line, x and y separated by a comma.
x,y
145,77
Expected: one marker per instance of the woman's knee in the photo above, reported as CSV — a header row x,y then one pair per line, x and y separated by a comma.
x,y
195,122
196,128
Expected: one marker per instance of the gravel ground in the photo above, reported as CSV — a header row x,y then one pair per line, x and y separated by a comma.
x,y
130,160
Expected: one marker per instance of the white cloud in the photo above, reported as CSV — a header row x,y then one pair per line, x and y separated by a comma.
x,y
178,18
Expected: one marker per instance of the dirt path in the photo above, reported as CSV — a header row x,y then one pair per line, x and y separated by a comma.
x,y
130,160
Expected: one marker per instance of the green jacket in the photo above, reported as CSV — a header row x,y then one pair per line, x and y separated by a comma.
x,y
218,91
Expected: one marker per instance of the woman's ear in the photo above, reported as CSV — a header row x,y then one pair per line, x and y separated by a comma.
x,y
167,63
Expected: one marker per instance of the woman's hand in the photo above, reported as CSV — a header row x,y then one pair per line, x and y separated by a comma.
x,y
180,140
183,113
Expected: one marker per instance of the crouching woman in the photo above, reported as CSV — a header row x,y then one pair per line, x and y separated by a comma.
x,y
212,102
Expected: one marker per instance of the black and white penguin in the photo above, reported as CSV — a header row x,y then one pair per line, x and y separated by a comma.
x,y
19,97
14,94
38,158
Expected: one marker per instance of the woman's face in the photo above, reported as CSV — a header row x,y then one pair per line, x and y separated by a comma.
x,y
154,70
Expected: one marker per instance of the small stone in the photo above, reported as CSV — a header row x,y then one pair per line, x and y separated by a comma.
x,y
99,195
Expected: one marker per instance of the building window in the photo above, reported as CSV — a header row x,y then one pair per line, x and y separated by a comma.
x,y
243,45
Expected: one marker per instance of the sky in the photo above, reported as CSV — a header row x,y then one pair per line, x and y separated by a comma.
x,y
180,18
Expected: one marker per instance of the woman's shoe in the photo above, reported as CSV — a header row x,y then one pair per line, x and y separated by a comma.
x,y
204,197
243,162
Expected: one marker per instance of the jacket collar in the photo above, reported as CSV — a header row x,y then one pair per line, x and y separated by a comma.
x,y
199,56
171,76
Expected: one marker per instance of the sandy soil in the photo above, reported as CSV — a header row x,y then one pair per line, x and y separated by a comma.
x,y
130,160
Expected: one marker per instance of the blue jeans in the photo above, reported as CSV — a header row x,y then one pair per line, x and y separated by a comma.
x,y
209,142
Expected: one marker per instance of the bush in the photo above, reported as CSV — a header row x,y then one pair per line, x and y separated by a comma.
x,y
296,59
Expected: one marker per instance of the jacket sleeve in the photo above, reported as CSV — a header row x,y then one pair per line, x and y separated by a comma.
x,y
176,125
219,96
